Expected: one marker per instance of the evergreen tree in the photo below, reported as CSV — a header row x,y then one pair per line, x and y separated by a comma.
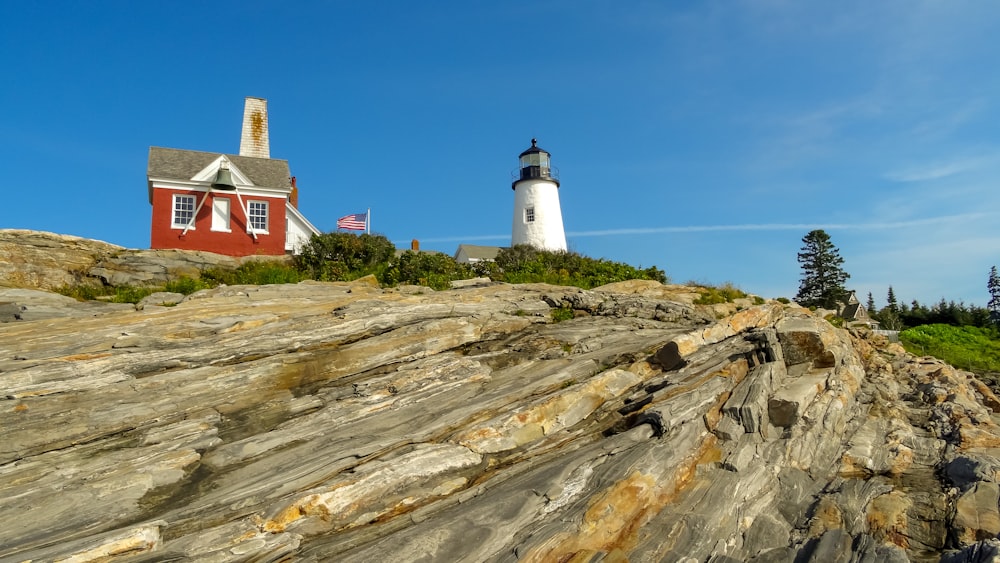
x,y
889,316
823,276
870,305
993,285
893,305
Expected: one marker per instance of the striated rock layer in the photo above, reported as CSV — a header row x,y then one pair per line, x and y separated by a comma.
x,y
41,260
342,422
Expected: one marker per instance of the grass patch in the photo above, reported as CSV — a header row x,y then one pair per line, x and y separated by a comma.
x,y
725,293
965,347
85,292
258,272
131,293
186,286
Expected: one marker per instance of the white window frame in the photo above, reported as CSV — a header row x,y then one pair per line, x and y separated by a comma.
x,y
254,206
175,211
529,214
216,215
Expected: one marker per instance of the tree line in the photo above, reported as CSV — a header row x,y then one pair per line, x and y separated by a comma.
x,y
823,285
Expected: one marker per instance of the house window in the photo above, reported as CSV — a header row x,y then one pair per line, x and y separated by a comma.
x,y
257,212
529,215
183,211
220,214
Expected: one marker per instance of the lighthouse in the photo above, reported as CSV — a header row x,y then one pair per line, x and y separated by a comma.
x,y
537,215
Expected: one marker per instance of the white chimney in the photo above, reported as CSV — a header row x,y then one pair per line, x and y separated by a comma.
x,y
254,141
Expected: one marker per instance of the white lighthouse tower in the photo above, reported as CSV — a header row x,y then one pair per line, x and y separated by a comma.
x,y
537,215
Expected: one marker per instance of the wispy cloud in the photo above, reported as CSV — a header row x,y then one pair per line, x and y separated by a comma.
x,y
936,171
785,226
870,226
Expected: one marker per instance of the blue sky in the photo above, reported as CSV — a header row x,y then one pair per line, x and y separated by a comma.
x,y
705,138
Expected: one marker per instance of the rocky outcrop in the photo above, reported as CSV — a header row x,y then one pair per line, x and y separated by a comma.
x,y
323,421
40,260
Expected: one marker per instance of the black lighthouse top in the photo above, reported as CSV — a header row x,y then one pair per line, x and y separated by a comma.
x,y
535,163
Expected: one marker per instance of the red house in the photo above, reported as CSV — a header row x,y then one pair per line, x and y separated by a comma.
x,y
236,205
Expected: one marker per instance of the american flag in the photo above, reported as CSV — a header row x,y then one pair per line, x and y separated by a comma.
x,y
355,222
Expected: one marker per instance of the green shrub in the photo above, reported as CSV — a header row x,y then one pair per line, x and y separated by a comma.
x,y
783,300
256,272
432,269
186,285
344,256
131,293
561,314
525,264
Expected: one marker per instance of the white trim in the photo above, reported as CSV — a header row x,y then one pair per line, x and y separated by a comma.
x,y
298,229
302,218
209,173
253,191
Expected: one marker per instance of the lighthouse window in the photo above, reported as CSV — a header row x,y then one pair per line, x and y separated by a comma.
x,y
183,211
529,215
257,213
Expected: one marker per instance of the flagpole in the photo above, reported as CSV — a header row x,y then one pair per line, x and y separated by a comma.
x,y
368,221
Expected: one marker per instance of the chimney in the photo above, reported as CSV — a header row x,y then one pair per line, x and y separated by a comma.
x,y
293,197
415,245
254,141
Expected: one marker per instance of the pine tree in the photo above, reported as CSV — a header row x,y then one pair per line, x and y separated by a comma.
x,y
993,285
823,276
889,316
870,305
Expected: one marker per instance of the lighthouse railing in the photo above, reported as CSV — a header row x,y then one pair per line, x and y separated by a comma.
x,y
535,172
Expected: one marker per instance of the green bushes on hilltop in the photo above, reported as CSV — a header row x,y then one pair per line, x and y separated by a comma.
x,y
525,264
346,256
424,268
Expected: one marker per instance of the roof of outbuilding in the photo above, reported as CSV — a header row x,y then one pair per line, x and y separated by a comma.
x,y
477,252
184,164
853,311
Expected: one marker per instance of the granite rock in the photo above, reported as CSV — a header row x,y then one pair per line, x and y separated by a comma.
x,y
342,421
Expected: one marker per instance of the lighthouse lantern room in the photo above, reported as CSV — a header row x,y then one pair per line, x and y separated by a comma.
x,y
537,214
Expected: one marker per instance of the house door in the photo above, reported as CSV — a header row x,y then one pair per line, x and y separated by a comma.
x,y
220,214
